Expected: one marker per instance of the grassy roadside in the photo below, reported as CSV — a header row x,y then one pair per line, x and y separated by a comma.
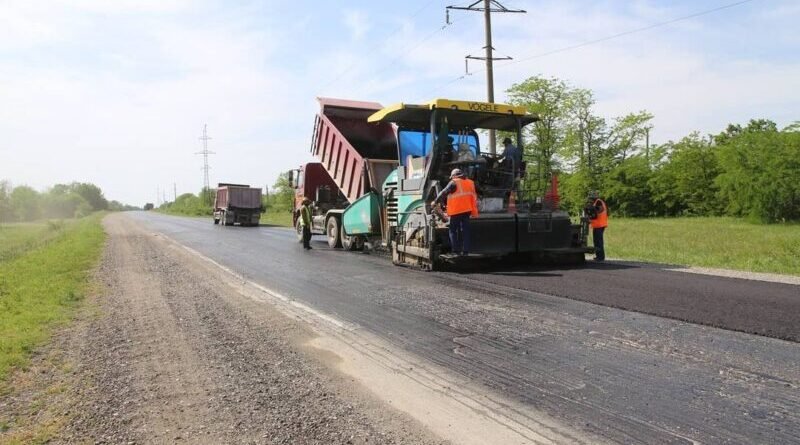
x,y
270,218
720,242
40,287
17,239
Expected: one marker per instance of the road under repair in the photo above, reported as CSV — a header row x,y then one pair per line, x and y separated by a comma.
x,y
605,373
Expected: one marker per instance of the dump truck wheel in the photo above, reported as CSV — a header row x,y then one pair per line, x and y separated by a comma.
x,y
334,232
351,243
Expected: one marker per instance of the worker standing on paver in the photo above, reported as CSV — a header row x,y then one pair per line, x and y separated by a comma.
x,y
305,222
462,204
512,153
597,210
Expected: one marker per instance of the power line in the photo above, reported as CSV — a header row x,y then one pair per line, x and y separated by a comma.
x,y
599,40
629,32
391,62
395,31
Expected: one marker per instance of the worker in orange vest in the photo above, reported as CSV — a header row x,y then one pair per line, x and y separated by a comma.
x,y
597,210
462,204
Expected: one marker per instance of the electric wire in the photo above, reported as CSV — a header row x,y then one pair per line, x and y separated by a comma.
x,y
374,46
596,41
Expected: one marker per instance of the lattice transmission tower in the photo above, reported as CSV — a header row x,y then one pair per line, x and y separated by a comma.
x,y
206,181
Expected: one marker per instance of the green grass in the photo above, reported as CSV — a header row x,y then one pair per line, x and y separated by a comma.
x,y
41,286
18,238
276,218
727,243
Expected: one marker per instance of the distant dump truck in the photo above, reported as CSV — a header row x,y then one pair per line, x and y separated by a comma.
x,y
237,203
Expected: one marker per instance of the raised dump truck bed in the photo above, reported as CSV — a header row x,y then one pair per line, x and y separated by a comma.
x,y
354,159
357,155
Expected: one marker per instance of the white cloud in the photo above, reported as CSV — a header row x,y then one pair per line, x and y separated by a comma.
x,y
357,22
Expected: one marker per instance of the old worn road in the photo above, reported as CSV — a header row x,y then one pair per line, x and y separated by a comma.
x,y
618,353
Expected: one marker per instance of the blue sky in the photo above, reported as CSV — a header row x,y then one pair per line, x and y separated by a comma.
x,y
117,92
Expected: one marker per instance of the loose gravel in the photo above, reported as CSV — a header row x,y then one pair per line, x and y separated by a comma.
x,y
179,358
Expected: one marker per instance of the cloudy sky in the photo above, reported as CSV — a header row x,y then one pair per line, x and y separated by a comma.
x,y
117,92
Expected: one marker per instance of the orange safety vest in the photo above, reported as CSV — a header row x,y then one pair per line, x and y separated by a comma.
x,y
463,199
602,216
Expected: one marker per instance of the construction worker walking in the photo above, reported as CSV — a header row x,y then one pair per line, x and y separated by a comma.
x,y
305,222
597,211
462,204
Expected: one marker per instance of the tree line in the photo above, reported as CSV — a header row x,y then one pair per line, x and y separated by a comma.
x,y
749,170
23,203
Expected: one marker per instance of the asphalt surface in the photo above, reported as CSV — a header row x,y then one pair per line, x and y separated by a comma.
x,y
621,375
757,307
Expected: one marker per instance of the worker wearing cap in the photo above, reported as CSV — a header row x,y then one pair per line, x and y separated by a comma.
x,y
305,222
597,210
462,204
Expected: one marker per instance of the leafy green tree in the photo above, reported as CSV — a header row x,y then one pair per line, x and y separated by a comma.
x,y
6,209
61,202
571,138
760,167
549,98
626,187
188,204
684,184
281,196
91,193
25,203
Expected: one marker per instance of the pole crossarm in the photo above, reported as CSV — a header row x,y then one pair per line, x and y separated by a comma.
x,y
495,6
489,6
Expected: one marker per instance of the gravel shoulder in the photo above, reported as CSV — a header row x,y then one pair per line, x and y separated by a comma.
x,y
175,356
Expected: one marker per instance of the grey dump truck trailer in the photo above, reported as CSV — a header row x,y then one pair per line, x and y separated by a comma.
x,y
237,203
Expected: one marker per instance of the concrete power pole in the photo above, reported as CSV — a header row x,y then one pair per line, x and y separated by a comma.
x,y
206,182
489,6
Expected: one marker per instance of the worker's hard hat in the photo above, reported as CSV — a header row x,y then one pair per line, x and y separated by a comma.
x,y
456,173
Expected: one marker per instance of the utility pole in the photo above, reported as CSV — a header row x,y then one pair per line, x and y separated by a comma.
x,y
489,6
206,182
174,192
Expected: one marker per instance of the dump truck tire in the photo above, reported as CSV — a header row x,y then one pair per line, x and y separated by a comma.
x,y
333,232
351,243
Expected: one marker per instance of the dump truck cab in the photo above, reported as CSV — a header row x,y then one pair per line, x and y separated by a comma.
x,y
432,139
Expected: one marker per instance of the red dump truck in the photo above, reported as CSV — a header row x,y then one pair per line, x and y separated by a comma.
x,y
237,203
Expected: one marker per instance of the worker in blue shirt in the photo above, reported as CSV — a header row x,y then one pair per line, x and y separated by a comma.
x,y
512,153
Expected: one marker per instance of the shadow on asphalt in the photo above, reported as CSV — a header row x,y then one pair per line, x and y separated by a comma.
x,y
530,269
